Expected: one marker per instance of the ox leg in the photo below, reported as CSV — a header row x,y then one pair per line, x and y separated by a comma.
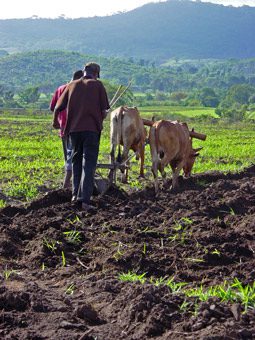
x,y
141,152
162,170
112,159
176,172
124,177
163,163
154,170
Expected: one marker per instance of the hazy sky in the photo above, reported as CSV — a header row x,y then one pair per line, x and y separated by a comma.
x,y
82,8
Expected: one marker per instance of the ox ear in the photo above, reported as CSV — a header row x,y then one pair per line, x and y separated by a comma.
x,y
197,149
196,154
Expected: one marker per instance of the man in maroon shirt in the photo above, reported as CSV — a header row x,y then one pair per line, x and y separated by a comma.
x,y
87,103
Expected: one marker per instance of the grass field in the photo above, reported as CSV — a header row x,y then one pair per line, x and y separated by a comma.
x,y
171,112
31,159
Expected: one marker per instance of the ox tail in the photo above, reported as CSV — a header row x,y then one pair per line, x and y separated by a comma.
x,y
119,133
153,138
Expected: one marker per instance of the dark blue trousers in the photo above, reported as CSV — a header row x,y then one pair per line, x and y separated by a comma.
x,y
85,147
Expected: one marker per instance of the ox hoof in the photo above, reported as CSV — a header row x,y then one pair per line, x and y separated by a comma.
x,y
174,188
165,185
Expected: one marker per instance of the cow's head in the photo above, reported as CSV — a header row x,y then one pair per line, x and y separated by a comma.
x,y
190,161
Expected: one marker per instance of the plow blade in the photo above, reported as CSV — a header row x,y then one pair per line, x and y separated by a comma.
x,y
102,185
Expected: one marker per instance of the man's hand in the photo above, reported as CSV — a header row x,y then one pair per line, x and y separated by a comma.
x,y
105,112
55,124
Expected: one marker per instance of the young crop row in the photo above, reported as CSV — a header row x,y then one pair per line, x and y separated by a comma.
x,y
31,159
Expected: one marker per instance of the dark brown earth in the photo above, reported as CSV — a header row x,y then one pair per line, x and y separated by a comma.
x,y
202,234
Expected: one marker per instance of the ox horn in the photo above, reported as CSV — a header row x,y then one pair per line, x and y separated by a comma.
x,y
197,149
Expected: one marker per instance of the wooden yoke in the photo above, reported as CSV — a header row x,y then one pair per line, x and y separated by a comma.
x,y
197,135
192,133
147,122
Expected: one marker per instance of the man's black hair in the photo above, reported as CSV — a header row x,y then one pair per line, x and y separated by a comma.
x,y
77,75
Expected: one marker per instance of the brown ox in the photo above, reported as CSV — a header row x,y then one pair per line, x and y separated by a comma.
x,y
170,143
127,129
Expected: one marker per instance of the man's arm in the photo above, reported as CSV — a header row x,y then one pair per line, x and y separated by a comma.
x,y
104,101
55,123
60,106
53,101
105,113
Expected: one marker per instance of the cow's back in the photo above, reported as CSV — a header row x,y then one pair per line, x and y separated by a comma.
x,y
133,130
172,137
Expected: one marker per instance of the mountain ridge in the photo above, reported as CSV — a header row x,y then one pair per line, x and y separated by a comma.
x,y
156,31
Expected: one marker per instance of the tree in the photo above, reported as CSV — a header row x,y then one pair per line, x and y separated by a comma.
x,y
208,97
178,96
30,95
241,93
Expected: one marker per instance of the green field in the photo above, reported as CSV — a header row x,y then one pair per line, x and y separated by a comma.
x,y
31,160
178,112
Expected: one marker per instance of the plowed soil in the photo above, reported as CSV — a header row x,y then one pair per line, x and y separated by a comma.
x,y
56,286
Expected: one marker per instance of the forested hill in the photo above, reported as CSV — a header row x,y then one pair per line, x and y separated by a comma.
x,y
48,69
155,31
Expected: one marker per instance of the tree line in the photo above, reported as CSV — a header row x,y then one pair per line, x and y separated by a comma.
x,y
228,86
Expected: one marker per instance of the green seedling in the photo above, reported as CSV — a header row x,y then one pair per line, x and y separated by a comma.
x,y
63,258
245,293
232,212
180,230
51,244
2,204
175,287
75,220
8,272
233,293
132,277
73,236
158,281
184,307
147,230
70,289
144,248
216,252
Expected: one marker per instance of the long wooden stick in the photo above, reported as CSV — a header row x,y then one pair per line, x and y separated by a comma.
x,y
192,133
126,88
115,95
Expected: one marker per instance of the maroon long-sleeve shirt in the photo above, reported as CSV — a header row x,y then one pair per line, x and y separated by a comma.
x,y
86,101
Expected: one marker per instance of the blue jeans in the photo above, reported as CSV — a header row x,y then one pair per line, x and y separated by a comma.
x,y
67,150
85,147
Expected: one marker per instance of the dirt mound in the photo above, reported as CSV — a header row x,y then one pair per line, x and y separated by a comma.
x,y
60,268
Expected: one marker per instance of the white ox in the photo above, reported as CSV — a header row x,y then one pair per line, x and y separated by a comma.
x,y
127,129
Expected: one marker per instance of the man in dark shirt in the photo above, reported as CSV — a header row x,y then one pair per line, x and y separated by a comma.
x,y
87,104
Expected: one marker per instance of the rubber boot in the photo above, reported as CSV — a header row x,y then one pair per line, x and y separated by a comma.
x,y
67,181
